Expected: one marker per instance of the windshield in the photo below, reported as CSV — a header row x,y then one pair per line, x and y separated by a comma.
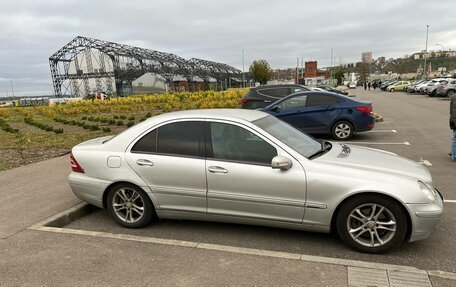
x,y
292,137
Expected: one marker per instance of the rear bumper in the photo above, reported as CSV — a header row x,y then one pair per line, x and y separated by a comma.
x,y
366,123
87,188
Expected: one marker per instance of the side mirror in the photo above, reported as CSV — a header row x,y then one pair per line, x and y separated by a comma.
x,y
274,109
281,162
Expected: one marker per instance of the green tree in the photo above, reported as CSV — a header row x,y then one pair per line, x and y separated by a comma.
x,y
261,71
339,75
363,71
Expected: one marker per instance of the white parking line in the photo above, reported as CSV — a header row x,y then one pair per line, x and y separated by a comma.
x,y
426,162
450,201
378,143
382,131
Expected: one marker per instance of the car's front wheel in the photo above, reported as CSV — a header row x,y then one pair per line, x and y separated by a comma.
x,y
372,224
450,93
342,130
392,90
130,206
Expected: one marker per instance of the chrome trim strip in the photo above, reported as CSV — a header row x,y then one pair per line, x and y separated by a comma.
x,y
254,199
315,205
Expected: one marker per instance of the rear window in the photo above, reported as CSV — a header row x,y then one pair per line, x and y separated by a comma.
x,y
275,92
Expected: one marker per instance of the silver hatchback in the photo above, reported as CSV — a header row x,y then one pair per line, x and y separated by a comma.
x,y
245,166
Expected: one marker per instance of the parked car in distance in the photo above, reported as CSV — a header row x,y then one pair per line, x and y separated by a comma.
x,y
447,89
420,87
324,113
351,85
262,96
385,85
430,85
411,88
432,90
248,167
334,90
398,86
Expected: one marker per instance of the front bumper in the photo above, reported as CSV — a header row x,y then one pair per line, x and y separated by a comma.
x,y
425,217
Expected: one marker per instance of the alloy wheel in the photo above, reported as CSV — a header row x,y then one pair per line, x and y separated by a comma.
x,y
128,205
371,225
343,130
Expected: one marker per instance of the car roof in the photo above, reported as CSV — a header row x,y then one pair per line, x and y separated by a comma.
x,y
326,93
277,86
238,114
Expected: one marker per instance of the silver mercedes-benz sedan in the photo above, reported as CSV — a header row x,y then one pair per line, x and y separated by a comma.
x,y
245,166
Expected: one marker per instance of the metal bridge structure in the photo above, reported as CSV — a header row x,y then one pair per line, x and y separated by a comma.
x,y
85,66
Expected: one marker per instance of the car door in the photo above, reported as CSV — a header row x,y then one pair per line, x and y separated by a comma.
x,y
171,161
290,110
241,181
320,112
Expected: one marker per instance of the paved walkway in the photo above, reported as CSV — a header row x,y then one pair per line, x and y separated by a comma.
x,y
33,193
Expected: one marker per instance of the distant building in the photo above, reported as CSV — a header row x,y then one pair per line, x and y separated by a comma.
x,y
312,75
366,57
381,60
311,69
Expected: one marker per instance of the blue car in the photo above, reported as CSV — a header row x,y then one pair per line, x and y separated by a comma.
x,y
324,113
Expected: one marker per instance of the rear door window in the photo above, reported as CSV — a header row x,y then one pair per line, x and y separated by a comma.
x,y
322,100
180,138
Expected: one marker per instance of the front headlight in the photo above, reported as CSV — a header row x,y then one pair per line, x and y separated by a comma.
x,y
427,190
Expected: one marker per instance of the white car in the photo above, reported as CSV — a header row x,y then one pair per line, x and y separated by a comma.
x,y
352,85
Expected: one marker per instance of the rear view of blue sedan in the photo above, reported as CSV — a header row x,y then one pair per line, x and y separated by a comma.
x,y
324,113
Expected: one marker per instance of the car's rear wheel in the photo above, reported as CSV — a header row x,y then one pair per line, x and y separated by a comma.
x,y
450,93
372,224
130,206
342,130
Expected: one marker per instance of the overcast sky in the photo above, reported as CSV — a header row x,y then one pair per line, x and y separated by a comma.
x,y
277,31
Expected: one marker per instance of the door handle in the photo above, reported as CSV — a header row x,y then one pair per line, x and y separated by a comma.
x,y
144,162
217,169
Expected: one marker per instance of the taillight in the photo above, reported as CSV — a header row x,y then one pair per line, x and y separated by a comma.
x,y
75,165
244,101
367,110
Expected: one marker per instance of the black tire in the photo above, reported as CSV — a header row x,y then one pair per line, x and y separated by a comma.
x,y
392,90
391,239
128,212
342,130
450,93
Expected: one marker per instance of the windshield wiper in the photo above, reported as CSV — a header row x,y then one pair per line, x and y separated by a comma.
x,y
325,147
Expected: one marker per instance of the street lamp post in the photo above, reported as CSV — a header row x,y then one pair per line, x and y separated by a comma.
x,y
12,90
243,73
425,53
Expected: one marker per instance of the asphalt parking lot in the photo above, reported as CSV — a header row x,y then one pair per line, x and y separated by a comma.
x,y
414,126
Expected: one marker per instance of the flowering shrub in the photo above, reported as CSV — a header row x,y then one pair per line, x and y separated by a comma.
x,y
159,103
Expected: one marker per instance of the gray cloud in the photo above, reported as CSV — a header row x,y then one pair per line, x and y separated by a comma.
x,y
278,31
